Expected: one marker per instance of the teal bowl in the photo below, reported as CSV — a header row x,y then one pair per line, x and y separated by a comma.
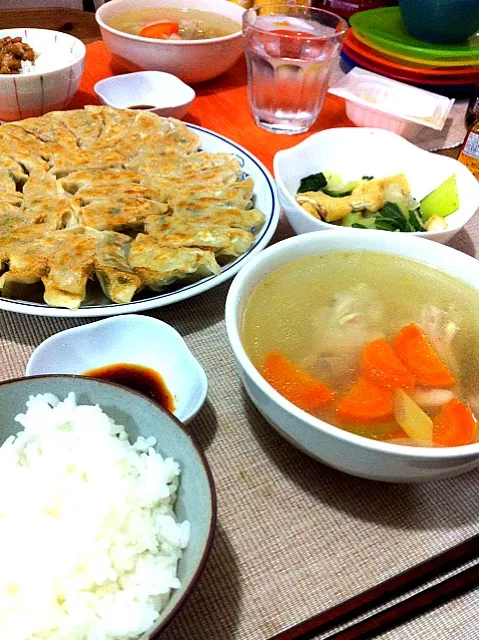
x,y
441,21
196,500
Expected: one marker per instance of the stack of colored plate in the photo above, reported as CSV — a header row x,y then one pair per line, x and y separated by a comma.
x,y
378,41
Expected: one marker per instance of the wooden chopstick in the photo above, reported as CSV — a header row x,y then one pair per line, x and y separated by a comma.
x,y
411,607
403,583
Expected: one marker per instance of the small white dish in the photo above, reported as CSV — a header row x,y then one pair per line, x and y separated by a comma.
x,y
168,95
128,339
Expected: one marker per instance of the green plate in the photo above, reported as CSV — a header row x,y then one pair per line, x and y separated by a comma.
x,y
386,28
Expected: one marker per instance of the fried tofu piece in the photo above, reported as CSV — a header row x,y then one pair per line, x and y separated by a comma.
x,y
369,195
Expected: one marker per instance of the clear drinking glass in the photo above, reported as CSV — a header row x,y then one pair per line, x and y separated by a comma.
x,y
290,51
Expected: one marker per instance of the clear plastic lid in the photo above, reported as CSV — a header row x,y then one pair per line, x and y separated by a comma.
x,y
394,98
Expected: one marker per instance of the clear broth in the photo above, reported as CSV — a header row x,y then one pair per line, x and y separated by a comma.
x,y
209,25
290,313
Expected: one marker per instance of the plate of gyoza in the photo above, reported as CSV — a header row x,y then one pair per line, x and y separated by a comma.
x,y
106,211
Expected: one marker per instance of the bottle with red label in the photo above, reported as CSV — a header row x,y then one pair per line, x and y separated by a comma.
x,y
469,154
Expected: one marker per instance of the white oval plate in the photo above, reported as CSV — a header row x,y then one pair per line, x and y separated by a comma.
x,y
265,199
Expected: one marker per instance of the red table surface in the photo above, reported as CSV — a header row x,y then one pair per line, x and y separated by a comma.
x,y
221,105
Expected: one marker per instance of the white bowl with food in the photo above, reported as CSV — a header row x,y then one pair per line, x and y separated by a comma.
x,y
142,352
195,40
412,190
110,512
41,77
361,350
155,91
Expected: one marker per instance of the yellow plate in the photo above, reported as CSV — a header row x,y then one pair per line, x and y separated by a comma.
x,y
417,62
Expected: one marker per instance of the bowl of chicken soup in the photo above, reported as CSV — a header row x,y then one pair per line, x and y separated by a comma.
x,y
362,351
195,40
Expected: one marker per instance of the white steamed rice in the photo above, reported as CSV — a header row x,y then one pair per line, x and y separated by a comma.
x,y
48,60
89,542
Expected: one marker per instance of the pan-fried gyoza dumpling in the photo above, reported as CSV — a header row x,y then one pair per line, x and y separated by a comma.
x,y
77,180
116,125
11,199
17,141
161,135
117,214
159,266
86,126
195,213
117,279
172,231
64,163
70,257
11,174
39,184
49,128
55,213
237,195
119,192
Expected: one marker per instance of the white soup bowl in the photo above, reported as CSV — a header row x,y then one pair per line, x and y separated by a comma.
x,y
191,60
331,445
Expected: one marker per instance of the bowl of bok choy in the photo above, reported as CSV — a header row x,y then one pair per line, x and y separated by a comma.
x,y
373,179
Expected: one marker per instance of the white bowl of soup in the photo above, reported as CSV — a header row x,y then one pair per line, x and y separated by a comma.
x,y
362,350
195,40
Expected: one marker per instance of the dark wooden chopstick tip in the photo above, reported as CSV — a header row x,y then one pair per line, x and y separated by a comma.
x,y
380,595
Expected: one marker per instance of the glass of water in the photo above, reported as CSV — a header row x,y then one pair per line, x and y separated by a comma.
x,y
290,53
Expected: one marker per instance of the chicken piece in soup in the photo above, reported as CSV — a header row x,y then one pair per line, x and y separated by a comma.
x,y
375,344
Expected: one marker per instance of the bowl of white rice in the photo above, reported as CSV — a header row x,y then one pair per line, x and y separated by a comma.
x,y
107,511
49,82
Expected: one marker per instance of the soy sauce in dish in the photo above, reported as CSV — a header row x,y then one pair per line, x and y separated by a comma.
x,y
142,106
136,377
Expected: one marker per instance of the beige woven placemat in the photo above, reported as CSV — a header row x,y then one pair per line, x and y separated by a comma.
x,y
294,537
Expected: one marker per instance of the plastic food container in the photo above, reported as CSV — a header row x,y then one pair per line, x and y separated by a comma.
x,y
373,100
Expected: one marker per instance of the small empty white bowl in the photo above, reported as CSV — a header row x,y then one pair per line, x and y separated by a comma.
x,y
128,339
167,95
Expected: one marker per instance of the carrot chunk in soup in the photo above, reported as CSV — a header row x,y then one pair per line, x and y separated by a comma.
x,y
366,402
294,384
381,365
414,349
454,425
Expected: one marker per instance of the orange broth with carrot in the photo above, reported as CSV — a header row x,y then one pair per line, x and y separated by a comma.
x,y
376,344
